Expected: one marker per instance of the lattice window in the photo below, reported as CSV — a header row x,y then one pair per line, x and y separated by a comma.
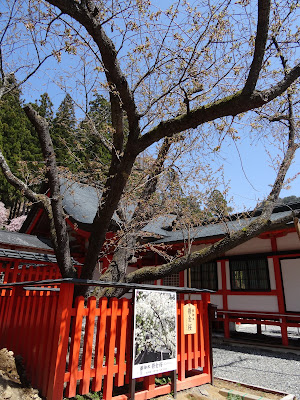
x,y
205,276
249,274
172,280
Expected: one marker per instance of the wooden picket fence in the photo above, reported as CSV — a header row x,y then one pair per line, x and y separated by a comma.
x,y
21,271
74,349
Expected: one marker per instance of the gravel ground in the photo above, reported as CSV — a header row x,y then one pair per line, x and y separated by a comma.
x,y
269,369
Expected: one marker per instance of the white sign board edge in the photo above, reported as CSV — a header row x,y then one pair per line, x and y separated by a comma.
x,y
140,370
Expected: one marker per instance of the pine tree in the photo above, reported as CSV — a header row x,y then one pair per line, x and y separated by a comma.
x,y
45,107
97,125
63,133
18,141
99,113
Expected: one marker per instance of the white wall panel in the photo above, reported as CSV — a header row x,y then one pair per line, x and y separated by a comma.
x,y
290,269
253,303
271,274
255,245
288,242
217,299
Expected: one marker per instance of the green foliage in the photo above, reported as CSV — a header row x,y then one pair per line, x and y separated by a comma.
x,y
217,205
18,141
62,132
89,396
289,199
93,153
44,107
232,396
79,149
164,380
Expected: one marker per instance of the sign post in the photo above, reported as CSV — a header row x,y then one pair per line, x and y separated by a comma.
x,y
154,334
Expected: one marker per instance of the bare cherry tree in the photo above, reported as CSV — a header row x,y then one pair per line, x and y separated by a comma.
x,y
167,72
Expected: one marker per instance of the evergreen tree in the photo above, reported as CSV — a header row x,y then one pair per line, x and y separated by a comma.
x,y
99,113
217,204
18,141
45,107
63,133
93,130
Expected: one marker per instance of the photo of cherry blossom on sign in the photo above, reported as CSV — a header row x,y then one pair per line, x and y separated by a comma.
x,y
155,334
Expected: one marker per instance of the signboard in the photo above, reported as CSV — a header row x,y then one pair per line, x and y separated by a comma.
x,y
189,319
155,333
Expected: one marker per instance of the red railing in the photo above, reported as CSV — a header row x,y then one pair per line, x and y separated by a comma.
x,y
21,271
85,348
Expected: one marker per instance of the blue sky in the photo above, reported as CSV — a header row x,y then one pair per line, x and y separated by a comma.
x,y
246,165
246,168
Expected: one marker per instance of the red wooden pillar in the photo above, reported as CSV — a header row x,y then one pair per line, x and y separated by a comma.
x,y
207,337
60,342
280,294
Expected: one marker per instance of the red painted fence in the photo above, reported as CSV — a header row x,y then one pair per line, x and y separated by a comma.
x,y
88,347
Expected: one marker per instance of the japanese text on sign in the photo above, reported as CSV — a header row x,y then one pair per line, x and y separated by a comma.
x,y
189,319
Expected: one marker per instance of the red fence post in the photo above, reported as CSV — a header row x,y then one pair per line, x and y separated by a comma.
x,y
207,343
60,342
12,317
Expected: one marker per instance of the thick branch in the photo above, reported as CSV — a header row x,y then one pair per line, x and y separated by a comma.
x,y
86,14
152,180
59,232
28,193
208,254
257,226
109,202
228,106
18,184
291,119
260,45
118,133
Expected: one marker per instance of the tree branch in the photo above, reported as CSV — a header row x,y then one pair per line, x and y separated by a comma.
x,y
261,38
253,229
228,106
28,193
58,223
20,185
84,13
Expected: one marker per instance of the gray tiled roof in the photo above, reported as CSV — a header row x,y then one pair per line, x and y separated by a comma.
x,y
24,240
217,229
80,201
157,224
25,255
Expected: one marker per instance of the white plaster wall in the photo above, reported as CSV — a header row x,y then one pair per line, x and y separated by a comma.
x,y
288,242
214,299
255,245
290,269
192,297
271,274
217,299
252,303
